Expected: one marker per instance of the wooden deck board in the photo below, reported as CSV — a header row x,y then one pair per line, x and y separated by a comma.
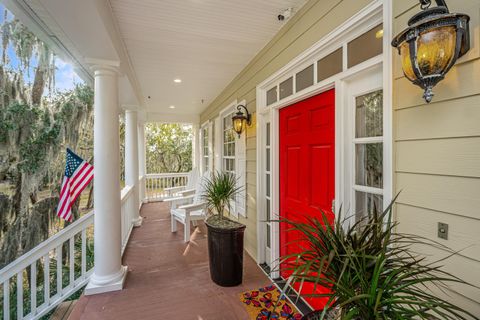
x,y
64,310
168,279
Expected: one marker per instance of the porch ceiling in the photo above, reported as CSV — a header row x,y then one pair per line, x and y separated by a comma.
x,y
205,43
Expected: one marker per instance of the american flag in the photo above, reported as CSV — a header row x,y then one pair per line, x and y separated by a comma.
x,y
78,174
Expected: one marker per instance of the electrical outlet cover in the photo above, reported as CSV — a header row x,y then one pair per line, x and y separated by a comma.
x,y
443,231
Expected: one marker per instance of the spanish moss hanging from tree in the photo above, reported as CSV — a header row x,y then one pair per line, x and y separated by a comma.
x,y
37,123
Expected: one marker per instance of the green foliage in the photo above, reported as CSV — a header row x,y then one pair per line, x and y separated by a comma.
x,y
37,131
371,271
219,191
169,148
34,150
20,114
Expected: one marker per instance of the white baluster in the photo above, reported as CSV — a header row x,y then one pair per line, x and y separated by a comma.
x,y
59,270
33,288
150,182
155,186
46,278
6,300
20,295
72,260
84,252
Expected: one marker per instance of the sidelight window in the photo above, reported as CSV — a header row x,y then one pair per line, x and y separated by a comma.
x,y
368,151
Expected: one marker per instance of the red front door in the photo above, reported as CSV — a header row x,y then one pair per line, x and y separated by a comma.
x,y
307,168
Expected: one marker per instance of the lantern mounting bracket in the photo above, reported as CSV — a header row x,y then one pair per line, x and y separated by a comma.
x,y
247,114
427,3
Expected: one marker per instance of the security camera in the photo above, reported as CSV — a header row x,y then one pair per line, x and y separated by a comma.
x,y
285,14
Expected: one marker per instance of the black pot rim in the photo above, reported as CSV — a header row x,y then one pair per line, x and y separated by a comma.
x,y
224,230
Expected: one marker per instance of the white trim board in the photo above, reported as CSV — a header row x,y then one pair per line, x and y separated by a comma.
x,y
362,21
372,15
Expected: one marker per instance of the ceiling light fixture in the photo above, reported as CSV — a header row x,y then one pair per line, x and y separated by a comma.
x,y
172,107
177,80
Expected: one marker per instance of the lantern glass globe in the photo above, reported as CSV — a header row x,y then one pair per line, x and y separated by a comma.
x,y
435,52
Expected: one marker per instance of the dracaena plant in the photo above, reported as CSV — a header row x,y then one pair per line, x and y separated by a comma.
x,y
371,271
220,189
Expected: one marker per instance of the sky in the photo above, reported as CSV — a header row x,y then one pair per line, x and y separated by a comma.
x,y
65,76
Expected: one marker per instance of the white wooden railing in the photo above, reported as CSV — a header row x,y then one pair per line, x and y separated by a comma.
x,y
49,258
128,210
22,282
142,191
156,184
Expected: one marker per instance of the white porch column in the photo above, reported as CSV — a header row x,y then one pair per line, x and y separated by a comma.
x,y
196,146
131,162
109,274
142,166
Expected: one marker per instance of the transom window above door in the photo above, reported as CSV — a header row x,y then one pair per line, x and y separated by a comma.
x,y
345,55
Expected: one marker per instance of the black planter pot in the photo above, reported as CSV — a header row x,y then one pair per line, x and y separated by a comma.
x,y
225,249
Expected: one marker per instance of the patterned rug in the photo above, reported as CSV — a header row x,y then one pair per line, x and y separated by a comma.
x,y
268,304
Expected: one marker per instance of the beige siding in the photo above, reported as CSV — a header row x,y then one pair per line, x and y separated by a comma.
x,y
316,19
436,146
437,157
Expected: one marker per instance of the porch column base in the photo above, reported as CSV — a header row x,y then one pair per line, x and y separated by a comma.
x,y
98,285
137,222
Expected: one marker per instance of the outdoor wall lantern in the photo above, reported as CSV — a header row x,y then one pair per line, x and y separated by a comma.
x,y
432,43
241,120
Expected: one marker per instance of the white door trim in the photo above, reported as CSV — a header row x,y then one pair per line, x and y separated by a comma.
x,y
375,13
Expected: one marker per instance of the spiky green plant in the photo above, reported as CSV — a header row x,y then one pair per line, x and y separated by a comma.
x,y
220,189
372,271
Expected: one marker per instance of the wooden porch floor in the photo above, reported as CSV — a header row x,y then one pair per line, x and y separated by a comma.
x,y
168,279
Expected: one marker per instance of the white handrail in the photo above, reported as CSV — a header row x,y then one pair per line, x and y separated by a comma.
x,y
51,250
157,184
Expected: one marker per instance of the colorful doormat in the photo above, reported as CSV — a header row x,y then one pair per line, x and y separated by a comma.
x,y
268,304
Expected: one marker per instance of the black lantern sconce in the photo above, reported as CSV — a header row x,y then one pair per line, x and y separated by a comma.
x,y
432,43
241,119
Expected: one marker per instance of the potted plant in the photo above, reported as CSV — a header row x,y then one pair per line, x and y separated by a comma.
x,y
225,236
371,271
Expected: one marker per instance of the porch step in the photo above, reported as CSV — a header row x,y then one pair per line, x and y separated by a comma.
x,y
63,310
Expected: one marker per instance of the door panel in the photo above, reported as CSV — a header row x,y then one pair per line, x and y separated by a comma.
x,y
307,169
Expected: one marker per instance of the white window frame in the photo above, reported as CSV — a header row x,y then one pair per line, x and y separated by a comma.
x,y
239,207
370,82
206,151
224,143
373,14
